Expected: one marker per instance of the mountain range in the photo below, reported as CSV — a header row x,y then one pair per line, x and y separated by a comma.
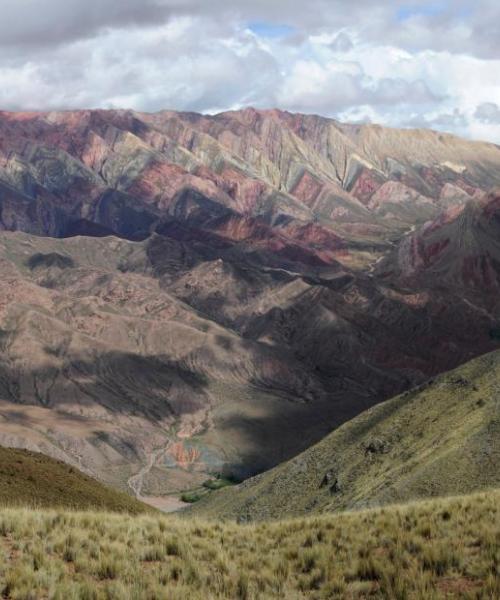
x,y
186,295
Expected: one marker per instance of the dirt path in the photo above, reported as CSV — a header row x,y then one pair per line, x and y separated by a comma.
x,y
373,266
136,482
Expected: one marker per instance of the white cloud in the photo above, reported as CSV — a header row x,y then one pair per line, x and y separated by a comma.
x,y
147,69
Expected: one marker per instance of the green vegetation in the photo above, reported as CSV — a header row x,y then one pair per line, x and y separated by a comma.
x,y
217,484
208,486
191,497
31,479
442,438
432,550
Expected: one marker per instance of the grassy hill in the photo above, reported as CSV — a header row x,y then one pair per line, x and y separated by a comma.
x,y
442,438
31,479
433,550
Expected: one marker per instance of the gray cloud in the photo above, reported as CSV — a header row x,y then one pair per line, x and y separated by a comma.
x,y
449,121
488,112
458,25
50,22
400,91
342,43
311,88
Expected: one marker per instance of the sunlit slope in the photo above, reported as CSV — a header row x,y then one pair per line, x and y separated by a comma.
x,y
437,549
441,438
32,479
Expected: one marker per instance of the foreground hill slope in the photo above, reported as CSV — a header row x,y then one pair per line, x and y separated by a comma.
x,y
438,549
28,478
439,439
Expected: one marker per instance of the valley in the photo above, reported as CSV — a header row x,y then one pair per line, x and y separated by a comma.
x,y
249,300
187,296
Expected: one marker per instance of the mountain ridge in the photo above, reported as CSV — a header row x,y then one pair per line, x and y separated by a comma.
x,y
185,295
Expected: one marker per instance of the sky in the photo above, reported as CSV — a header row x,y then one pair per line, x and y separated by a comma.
x,y
406,64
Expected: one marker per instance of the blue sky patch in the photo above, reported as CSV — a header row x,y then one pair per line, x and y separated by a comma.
x,y
426,10
270,30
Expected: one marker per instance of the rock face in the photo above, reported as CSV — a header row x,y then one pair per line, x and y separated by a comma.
x,y
460,248
184,294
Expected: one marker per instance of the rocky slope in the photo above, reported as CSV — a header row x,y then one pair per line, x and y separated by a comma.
x,y
459,249
103,367
442,438
184,294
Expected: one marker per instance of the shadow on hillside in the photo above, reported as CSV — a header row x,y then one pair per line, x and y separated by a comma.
x,y
152,387
286,429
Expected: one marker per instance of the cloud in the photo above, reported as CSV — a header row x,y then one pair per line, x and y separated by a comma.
x,y
341,43
449,121
50,22
158,67
434,63
417,24
335,86
488,112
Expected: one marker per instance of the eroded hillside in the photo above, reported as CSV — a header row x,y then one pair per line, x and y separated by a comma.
x,y
187,295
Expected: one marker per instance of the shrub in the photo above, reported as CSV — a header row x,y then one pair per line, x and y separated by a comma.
x,y
191,497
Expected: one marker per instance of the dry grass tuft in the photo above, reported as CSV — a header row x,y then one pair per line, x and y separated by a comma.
x,y
437,549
